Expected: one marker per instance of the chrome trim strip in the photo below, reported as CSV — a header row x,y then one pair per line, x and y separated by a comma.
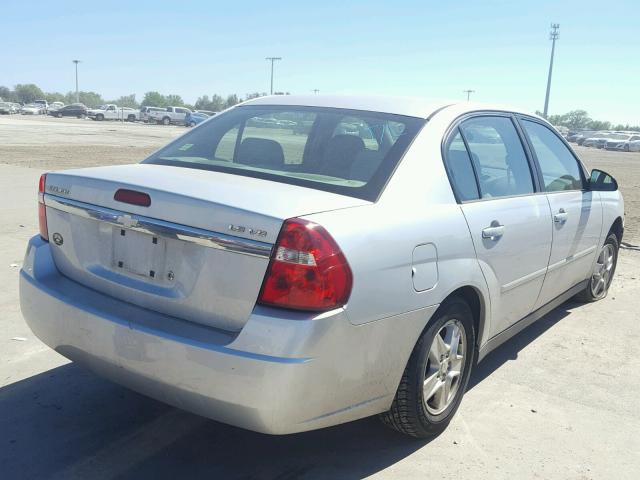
x,y
522,280
152,226
573,257
532,276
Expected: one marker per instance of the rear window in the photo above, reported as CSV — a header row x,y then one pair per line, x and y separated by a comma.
x,y
341,151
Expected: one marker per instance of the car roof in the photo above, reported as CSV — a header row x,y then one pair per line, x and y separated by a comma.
x,y
409,106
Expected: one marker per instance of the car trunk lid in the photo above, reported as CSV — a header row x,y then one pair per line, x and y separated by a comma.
x,y
198,251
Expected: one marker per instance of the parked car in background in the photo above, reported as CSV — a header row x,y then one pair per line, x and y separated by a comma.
x,y
130,114
621,141
572,135
32,109
283,283
144,112
53,106
582,136
7,108
44,105
191,119
170,115
596,140
74,110
113,112
634,146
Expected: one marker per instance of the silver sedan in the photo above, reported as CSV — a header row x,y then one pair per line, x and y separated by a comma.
x,y
299,262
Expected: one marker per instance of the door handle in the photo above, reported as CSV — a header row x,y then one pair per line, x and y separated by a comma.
x,y
494,232
561,216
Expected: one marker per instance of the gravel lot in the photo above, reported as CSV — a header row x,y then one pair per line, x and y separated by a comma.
x,y
558,401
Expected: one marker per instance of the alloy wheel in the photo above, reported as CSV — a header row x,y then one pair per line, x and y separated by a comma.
x,y
603,271
445,365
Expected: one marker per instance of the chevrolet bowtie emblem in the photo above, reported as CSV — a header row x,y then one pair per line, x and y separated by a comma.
x,y
127,221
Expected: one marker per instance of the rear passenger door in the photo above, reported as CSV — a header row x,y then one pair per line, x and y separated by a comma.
x,y
509,223
576,212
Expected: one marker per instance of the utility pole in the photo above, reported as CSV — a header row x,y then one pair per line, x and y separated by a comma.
x,y
272,59
553,36
469,92
316,91
77,92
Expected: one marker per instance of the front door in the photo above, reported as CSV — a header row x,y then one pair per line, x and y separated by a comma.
x,y
576,212
509,223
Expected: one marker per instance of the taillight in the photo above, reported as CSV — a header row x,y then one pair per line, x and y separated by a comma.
x,y
307,271
42,210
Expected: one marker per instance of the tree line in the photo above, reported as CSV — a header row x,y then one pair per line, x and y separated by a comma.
x,y
580,120
28,93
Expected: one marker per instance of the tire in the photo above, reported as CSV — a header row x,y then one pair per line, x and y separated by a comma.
x,y
100,117
192,124
58,115
626,147
131,118
413,414
82,115
603,272
166,121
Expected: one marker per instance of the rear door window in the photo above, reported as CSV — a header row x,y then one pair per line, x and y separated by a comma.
x,y
498,157
460,169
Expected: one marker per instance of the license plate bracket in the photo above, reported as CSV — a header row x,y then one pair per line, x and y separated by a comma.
x,y
138,253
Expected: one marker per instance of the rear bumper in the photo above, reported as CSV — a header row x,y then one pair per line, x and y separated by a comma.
x,y
278,375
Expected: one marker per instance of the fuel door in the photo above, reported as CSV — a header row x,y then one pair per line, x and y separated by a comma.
x,y
424,267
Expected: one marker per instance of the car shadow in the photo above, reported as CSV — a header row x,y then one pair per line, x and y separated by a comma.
x,y
510,349
69,423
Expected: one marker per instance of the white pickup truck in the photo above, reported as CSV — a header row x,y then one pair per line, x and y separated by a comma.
x,y
113,112
169,115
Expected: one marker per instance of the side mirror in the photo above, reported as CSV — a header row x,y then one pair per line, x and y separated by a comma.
x,y
602,182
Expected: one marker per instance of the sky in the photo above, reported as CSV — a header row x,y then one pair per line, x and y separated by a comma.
x,y
422,48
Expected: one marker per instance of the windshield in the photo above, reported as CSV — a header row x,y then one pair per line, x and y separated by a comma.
x,y
342,151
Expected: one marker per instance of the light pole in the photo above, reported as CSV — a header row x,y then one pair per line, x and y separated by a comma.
x,y
272,59
469,92
553,36
77,92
